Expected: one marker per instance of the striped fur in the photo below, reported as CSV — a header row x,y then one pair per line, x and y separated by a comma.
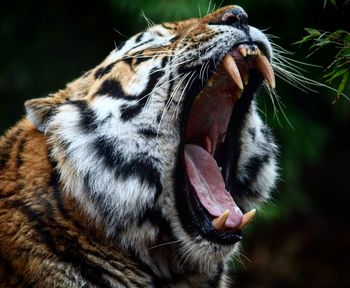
x,y
88,185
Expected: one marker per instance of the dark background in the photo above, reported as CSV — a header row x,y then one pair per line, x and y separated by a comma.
x,y
301,238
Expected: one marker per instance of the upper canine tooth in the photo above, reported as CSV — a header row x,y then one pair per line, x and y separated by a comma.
x,y
219,223
232,69
263,65
247,218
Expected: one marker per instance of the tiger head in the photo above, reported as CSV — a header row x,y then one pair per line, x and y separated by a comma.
x,y
157,142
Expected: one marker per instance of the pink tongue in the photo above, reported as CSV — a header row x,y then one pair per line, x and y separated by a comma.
x,y
206,179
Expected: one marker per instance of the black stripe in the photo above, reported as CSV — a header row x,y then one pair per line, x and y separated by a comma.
x,y
134,47
242,185
4,156
129,62
100,204
128,112
149,132
6,146
19,160
88,118
121,45
139,38
107,152
168,27
140,59
155,217
159,117
12,276
141,166
113,88
58,197
54,183
165,60
252,133
253,166
214,280
100,72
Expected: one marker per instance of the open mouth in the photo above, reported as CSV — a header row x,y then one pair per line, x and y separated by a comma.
x,y
211,141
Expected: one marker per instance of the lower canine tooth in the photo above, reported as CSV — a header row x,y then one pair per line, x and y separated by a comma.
x,y
247,218
219,223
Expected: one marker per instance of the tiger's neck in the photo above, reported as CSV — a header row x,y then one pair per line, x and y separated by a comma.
x,y
162,260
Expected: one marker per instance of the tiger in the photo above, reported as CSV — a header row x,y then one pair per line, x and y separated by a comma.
x,y
144,171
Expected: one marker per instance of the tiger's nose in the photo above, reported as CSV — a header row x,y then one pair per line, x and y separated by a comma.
x,y
235,15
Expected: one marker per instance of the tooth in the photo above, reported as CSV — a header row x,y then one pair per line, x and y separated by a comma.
x,y
263,65
243,51
210,82
219,223
232,69
247,218
256,52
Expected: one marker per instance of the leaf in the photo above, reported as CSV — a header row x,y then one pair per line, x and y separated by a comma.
x,y
344,52
323,42
342,84
312,31
338,33
335,74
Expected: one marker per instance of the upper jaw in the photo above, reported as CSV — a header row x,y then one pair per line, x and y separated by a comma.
x,y
242,58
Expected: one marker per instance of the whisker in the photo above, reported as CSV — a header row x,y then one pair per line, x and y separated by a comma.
x,y
163,244
175,114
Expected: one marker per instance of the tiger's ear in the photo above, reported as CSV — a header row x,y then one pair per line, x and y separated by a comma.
x,y
39,110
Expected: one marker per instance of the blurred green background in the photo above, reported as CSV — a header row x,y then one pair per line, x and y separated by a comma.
x,y
301,238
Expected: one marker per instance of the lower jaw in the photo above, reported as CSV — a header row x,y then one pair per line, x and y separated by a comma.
x,y
202,224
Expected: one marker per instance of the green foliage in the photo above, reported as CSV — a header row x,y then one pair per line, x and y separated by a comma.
x,y
334,2
339,69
